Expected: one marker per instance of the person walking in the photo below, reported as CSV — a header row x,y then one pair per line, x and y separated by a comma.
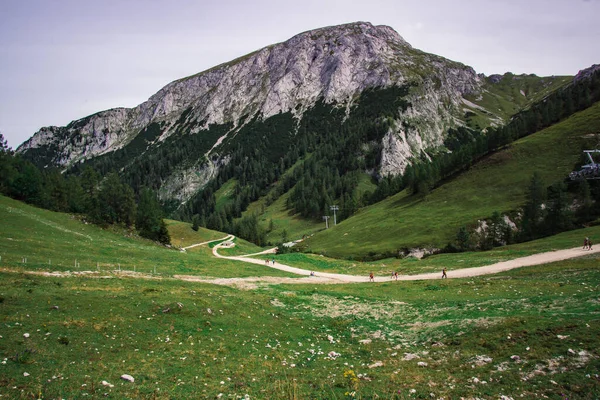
x,y
585,243
444,275
371,277
589,244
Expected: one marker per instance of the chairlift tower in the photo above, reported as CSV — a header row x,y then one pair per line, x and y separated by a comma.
x,y
326,217
334,209
587,171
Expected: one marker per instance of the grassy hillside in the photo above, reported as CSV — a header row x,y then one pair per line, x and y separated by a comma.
x,y
182,234
496,183
511,93
32,238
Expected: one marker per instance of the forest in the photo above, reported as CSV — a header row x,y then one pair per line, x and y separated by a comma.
x,y
103,200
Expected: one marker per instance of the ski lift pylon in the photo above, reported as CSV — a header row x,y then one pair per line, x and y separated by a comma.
x,y
587,171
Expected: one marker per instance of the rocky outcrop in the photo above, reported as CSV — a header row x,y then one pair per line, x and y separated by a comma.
x,y
334,64
586,73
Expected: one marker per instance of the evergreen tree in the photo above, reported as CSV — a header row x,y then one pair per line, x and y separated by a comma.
x,y
533,213
115,203
7,168
149,221
558,216
584,196
463,239
196,222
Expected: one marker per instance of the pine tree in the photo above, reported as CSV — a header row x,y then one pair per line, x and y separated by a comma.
x,y
149,221
196,222
533,213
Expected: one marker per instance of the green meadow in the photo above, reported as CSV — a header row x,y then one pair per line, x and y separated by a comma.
x,y
528,333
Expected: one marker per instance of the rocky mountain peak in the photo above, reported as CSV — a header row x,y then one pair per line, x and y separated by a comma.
x,y
333,64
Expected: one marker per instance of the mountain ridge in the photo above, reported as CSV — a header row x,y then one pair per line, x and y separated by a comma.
x,y
291,81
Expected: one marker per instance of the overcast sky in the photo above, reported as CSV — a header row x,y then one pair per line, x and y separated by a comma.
x,y
61,60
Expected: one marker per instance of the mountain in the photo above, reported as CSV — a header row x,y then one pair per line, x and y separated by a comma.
x,y
334,64
351,99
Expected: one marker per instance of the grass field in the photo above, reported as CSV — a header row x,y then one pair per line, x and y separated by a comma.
x,y
496,183
528,333
512,94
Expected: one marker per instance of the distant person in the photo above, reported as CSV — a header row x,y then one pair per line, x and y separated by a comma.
x,y
585,243
371,277
312,273
444,275
396,275
273,261
589,244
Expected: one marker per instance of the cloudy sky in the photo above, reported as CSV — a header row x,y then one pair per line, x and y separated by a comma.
x,y
61,60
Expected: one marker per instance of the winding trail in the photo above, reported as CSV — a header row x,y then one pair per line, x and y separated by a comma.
x,y
228,237
329,278
321,277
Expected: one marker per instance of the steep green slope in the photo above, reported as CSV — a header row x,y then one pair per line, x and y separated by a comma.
x,y
496,183
504,96
33,238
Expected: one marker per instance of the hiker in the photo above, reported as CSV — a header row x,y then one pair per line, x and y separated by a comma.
x,y
589,244
312,273
396,275
444,275
585,243
273,261
371,277
393,274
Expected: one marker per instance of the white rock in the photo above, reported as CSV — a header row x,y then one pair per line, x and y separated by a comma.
x,y
26,335
410,356
105,383
422,364
25,374
127,377
376,364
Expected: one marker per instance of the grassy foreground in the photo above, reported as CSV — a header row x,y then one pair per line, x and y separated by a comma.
x,y
529,333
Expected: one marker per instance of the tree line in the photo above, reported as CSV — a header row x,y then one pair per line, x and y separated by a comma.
x,y
103,201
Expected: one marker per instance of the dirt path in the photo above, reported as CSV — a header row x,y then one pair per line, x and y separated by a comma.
x,y
228,237
324,277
